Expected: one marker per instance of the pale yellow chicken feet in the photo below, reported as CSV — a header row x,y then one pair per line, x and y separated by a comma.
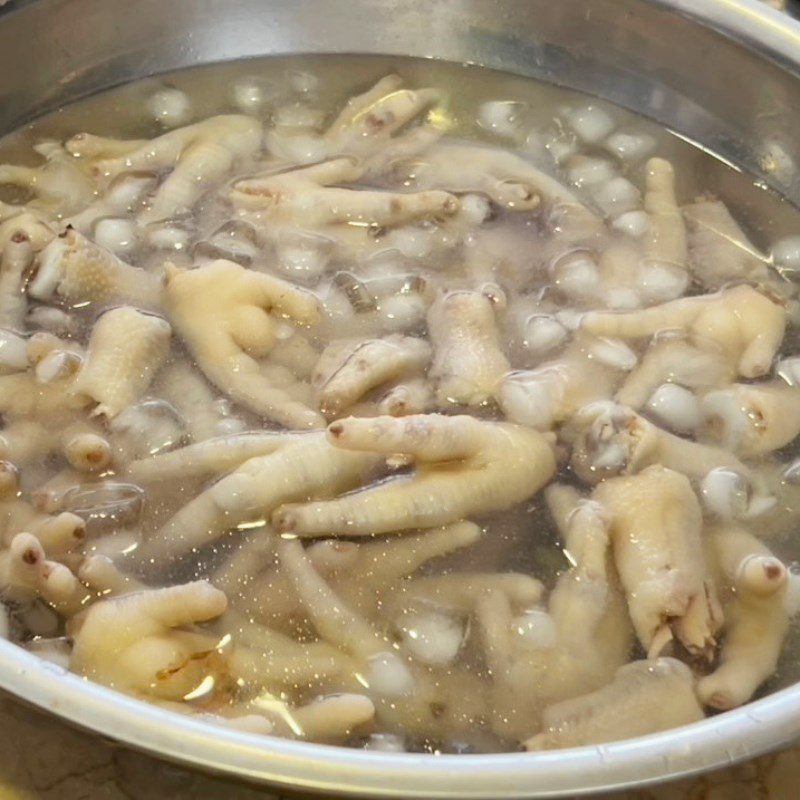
x,y
229,318
349,369
126,349
26,572
674,359
197,157
543,655
665,246
506,178
74,270
754,585
377,125
462,467
744,325
752,419
307,467
645,697
719,250
586,372
610,439
468,361
59,186
308,197
405,696
135,643
655,523
214,456
17,256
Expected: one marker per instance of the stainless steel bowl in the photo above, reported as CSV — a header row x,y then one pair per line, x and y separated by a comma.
x,y
723,73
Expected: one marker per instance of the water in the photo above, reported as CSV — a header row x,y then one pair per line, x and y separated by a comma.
x,y
456,706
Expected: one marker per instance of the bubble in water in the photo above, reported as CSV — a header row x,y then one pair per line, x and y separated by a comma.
x,y
105,506
432,635
170,107
235,240
115,234
251,93
148,428
303,256
591,123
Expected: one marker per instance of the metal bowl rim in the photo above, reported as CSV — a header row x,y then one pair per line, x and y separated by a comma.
x,y
718,741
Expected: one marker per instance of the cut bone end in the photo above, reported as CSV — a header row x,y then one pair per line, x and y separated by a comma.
x,y
26,549
88,452
762,575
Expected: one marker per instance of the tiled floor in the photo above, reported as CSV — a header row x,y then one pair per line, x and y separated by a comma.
x,y
42,759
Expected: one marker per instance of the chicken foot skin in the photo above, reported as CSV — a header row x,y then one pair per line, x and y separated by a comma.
x,y
743,323
645,697
307,194
306,467
755,583
462,467
655,523
227,317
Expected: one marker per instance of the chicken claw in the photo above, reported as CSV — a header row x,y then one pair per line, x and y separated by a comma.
x,y
463,466
666,239
674,359
358,366
752,419
228,316
587,605
468,362
507,179
744,324
126,349
610,439
369,120
306,467
213,456
26,571
586,372
16,257
134,642
198,156
544,656
403,695
76,271
461,591
655,524
644,697
756,621
60,186
377,125
719,249
306,196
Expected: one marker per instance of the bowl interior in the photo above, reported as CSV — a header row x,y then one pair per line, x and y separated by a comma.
x,y
670,61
